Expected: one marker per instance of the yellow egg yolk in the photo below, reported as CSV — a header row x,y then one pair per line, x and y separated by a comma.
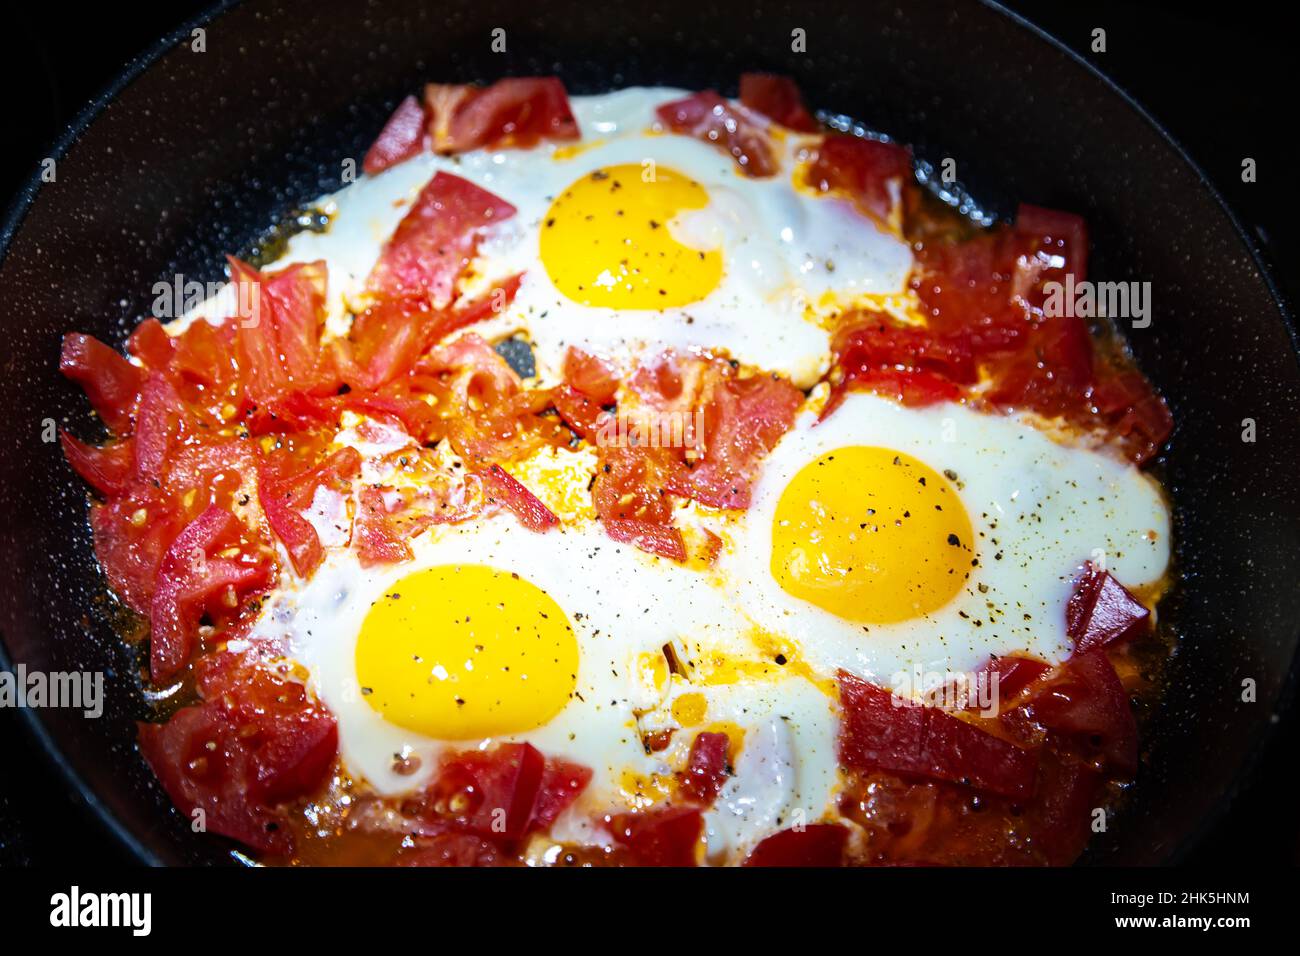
x,y
605,241
872,536
461,652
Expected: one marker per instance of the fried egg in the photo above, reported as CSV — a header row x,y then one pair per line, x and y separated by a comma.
x,y
631,238
894,541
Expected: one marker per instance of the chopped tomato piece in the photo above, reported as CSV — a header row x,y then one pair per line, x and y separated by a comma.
x,y
1059,234
492,302
914,388
402,137
663,540
631,496
1087,702
380,535
863,169
1051,373
590,374
396,402
284,496
391,336
818,844
190,576
1060,816
435,241
990,292
496,418
744,418
661,837
477,372
258,743
131,535
158,423
107,469
876,342
777,98
706,767
1012,675
579,412
521,502
514,112
562,783
109,381
206,353
708,117
1102,611
881,732
277,327
151,344
507,792
1133,412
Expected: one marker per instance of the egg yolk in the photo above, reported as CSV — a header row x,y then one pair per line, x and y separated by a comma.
x,y
871,535
605,241
460,652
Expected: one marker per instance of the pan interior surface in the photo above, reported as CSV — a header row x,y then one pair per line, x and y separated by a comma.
x,y
201,152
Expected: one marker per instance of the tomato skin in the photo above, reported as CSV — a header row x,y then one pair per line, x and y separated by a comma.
x,y
158,425
1014,675
861,168
743,420
435,240
516,112
668,836
777,98
189,578
591,375
1101,611
665,541
109,381
816,845
108,469
710,118
706,768
151,344
579,412
521,502
881,732
403,136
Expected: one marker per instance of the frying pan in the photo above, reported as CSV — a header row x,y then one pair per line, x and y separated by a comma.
x,y
191,154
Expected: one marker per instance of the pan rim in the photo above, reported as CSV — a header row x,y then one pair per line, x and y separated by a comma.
x,y
19,207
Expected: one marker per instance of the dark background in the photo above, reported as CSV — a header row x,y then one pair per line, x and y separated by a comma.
x,y
1221,79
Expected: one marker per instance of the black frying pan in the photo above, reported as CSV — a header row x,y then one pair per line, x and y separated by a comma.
x,y
191,155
